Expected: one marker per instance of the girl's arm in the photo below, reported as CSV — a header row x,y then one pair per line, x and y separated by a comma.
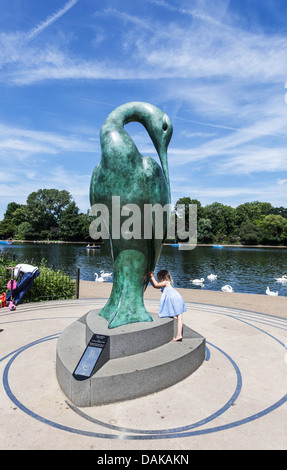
x,y
156,284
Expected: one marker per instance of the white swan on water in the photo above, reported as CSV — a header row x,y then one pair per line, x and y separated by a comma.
x,y
197,281
281,279
99,279
103,274
269,292
227,288
212,277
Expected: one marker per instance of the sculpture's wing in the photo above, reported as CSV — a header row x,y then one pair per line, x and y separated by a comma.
x,y
93,185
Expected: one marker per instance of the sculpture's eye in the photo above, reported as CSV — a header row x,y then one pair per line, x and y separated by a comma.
x,y
164,126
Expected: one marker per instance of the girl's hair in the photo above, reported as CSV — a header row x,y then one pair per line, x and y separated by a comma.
x,y
164,275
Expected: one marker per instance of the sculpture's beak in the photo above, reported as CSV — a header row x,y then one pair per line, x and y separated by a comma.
x,y
160,131
164,164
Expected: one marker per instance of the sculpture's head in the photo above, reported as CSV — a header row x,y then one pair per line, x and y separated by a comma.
x,y
160,130
156,122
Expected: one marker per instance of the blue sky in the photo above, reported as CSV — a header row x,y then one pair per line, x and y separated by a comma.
x,y
217,68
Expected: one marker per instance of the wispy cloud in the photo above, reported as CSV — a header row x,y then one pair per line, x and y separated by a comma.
x,y
156,51
20,144
27,180
32,159
254,159
18,58
136,20
50,20
223,82
215,46
220,192
197,13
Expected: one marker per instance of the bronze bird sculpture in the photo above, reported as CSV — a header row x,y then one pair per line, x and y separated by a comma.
x,y
126,176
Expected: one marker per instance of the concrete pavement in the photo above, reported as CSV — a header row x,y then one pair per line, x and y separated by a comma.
x,y
235,400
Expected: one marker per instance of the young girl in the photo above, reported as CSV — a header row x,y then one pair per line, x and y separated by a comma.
x,y
171,302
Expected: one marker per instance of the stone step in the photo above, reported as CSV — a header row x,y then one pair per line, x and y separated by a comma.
x,y
131,376
141,374
133,338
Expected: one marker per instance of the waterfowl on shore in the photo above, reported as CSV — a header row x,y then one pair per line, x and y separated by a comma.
x,y
99,279
269,292
227,288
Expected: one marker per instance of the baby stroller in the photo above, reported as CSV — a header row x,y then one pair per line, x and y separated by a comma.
x,y
18,289
12,284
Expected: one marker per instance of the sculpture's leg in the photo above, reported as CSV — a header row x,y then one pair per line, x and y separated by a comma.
x,y
125,304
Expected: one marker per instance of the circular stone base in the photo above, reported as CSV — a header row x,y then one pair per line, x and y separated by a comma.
x,y
143,359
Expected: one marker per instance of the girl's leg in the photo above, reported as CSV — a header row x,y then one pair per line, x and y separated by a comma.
x,y
179,327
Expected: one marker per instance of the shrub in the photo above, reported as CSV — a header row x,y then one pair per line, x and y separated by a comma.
x,y
49,285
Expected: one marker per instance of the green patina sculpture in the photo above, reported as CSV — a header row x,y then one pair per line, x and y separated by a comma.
x,y
139,180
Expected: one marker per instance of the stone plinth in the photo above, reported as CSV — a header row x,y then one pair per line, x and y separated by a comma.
x,y
143,359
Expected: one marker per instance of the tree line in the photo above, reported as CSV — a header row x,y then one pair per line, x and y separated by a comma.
x,y
53,214
251,223
48,214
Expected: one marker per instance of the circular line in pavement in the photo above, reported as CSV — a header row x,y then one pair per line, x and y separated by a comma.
x,y
180,429
185,431
154,434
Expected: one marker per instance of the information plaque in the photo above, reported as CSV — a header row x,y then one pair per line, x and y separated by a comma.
x,y
96,354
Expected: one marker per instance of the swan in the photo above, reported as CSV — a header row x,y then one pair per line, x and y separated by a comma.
x,y
212,277
99,279
103,274
197,281
281,279
227,288
269,292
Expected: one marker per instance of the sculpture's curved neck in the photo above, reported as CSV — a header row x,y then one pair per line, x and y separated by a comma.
x,y
118,141
130,112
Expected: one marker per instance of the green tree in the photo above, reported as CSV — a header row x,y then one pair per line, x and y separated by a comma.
x,y
15,214
182,214
204,231
222,219
73,226
249,234
284,234
251,211
200,209
45,207
19,215
279,211
84,225
25,231
7,229
273,229
11,208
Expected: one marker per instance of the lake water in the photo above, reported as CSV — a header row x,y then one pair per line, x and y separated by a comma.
x,y
247,270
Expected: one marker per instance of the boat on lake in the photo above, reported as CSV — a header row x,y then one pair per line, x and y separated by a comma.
x,y
6,242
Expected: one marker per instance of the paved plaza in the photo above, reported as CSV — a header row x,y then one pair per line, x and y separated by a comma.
x,y
235,400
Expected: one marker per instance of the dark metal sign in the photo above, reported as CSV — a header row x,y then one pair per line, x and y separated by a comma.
x,y
96,354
